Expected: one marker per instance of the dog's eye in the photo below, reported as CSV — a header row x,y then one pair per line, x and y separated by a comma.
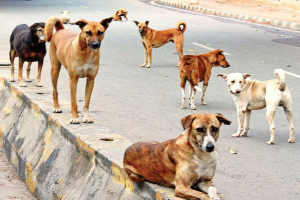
x,y
232,81
240,81
200,129
139,26
100,33
214,129
89,33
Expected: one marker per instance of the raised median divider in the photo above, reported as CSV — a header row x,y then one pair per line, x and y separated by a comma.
x,y
57,160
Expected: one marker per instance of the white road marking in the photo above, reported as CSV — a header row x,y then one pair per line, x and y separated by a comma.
x,y
292,74
100,12
69,2
83,6
209,48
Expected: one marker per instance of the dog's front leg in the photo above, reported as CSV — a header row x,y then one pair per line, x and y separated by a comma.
x,y
28,79
181,190
192,99
74,109
20,75
149,50
208,188
246,123
38,78
12,67
241,118
88,92
145,56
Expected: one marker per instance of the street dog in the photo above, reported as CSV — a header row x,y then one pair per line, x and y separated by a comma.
x,y
197,69
27,43
251,95
79,54
119,13
152,38
186,162
65,18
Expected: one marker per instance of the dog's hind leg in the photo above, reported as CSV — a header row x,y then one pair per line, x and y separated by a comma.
x,y
20,73
182,86
12,55
38,78
270,117
145,56
193,91
133,176
203,94
289,115
28,79
88,92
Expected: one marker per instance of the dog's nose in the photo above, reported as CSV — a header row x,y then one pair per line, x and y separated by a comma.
x,y
238,91
95,45
141,31
210,147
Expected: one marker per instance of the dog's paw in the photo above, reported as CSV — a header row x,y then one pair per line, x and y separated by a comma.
x,y
144,64
244,134
11,80
270,142
57,110
28,80
291,141
203,103
22,85
183,107
235,135
193,108
74,121
148,66
87,120
39,85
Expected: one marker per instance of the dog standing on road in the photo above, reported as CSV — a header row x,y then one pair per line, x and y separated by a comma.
x,y
27,43
251,95
152,38
80,54
186,162
197,69
119,13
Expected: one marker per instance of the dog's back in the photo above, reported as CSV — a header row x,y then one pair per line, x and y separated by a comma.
x,y
17,36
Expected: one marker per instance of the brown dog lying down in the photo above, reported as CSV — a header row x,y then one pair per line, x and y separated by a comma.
x,y
79,54
152,38
186,162
197,69
119,13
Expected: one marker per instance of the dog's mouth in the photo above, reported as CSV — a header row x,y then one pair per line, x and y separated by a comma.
x,y
42,38
95,45
225,66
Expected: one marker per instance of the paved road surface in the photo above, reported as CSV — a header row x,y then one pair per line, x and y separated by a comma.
x,y
144,104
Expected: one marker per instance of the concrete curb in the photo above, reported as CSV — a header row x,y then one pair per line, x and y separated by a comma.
x,y
57,160
277,23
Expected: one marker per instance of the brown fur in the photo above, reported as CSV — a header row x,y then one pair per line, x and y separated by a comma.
x,y
119,13
80,55
184,162
197,69
152,38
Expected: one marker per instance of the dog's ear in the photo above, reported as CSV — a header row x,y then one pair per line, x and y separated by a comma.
x,y
80,23
223,76
187,121
136,22
220,51
222,119
147,22
33,26
246,75
105,22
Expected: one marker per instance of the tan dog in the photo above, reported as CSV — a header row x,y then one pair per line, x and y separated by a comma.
x,y
186,162
65,18
251,95
197,69
152,38
119,13
80,54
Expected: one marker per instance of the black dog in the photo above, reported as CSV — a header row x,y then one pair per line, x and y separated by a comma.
x,y
27,43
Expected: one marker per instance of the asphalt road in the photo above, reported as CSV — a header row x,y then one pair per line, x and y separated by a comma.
x,y
144,104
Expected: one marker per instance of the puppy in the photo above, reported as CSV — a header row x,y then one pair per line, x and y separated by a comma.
x,y
80,54
186,162
119,13
251,95
27,43
152,38
197,69
65,18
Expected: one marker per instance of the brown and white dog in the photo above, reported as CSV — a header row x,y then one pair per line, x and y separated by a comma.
x,y
251,95
27,43
79,54
119,13
197,69
152,38
186,162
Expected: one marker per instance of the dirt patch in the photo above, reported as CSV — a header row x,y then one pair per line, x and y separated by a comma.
x,y
11,185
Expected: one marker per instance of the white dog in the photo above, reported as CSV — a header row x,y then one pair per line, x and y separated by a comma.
x,y
65,17
251,95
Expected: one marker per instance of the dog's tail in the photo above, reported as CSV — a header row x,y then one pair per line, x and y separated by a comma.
x,y
183,24
197,88
280,76
50,24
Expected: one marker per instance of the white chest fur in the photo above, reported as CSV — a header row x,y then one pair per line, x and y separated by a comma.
x,y
206,165
86,69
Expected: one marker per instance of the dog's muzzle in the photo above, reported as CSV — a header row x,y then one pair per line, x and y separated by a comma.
x,y
95,45
141,32
210,147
